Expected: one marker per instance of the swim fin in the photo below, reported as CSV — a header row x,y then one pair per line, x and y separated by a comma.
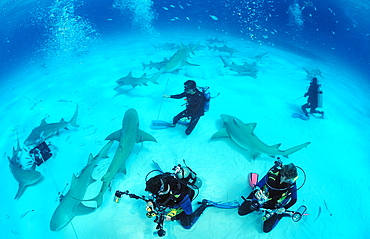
x,y
253,179
160,124
301,116
157,166
224,205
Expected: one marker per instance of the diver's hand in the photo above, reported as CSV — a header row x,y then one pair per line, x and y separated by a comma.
x,y
149,206
280,210
259,194
166,96
168,218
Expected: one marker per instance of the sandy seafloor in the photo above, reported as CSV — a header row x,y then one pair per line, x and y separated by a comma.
x,y
336,162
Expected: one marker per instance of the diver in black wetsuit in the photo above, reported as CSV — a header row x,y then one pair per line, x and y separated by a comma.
x,y
194,106
168,191
276,190
312,101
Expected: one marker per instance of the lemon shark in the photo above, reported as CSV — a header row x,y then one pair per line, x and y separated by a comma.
x,y
223,49
71,205
179,59
135,81
24,177
45,130
127,136
243,136
245,69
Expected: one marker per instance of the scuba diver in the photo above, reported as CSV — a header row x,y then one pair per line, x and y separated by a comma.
x,y
169,191
195,101
313,99
275,192
171,196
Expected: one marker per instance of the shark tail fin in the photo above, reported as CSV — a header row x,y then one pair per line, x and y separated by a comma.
x,y
74,118
156,76
21,189
286,153
223,60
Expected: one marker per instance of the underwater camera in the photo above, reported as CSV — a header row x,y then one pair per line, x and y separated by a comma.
x,y
117,196
40,153
258,200
297,216
160,233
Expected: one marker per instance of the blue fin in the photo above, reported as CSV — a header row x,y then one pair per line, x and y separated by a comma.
x,y
158,167
160,124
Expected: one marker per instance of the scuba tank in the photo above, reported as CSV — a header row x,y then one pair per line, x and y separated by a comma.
x,y
319,97
207,97
187,176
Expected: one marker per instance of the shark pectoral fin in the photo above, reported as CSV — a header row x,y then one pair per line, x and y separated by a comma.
x,y
103,152
21,189
144,136
123,169
91,180
114,136
83,210
186,63
222,133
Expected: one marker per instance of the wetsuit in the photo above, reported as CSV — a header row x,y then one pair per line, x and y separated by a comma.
x,y
179,199
312,101
280,195
194,109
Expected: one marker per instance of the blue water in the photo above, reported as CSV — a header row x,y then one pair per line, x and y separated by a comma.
x,y
325,28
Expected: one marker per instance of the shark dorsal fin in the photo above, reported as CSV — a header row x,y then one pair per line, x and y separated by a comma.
x,y
252,126
276,146
91,158
143,76
43,122
129,74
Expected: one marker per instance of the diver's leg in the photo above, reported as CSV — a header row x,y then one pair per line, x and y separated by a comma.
x,y
178,117
304,109
313,110
270,223
191,125
187,221
245,208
